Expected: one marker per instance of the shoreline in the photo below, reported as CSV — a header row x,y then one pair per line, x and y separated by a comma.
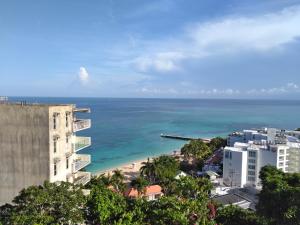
x,y
131,169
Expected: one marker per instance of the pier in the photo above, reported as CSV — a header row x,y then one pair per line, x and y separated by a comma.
x,y
178,137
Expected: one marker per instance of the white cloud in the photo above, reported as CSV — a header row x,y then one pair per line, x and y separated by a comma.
x,y
292,85
158,91
231,35
83,75
263,32
189,92
218,92
289,88
161,62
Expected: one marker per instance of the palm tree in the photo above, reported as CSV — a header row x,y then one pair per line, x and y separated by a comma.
x,y
148,170
140,185
105,179
166,167
117,180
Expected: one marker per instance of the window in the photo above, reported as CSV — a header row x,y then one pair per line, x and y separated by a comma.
x,y
67,119
157,196
54,122
226,154
281,151
55,169
67,139
281,158
253,161
55,145
281,164
251,167
252,154
251,173
67,163
251,178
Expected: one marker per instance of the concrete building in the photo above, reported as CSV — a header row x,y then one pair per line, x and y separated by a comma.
x,y
38,143
252,150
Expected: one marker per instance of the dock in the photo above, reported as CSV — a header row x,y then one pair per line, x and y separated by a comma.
x,y
184,138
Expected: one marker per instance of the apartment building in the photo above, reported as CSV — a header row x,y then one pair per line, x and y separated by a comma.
x,y
38,142
250,150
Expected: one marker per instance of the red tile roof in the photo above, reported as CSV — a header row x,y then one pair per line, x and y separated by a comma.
x,y
150,190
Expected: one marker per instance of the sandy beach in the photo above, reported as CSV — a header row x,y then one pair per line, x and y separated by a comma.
x,y
131,169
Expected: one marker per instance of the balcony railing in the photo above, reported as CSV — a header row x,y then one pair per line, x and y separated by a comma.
x,y
82,178
81,161
81,124
81,143
82,110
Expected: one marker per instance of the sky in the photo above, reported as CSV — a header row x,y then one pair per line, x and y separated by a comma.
x,y
155,49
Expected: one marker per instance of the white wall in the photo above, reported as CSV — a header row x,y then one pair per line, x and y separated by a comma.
x,y
63,148
234,167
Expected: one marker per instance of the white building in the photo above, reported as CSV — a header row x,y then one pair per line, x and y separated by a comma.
x,y
250,150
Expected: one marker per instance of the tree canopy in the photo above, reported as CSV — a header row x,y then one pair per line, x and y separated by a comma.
x,y
279,202
234,215
216,143
104,206
160,169
283,191
46,204
140,183
196,150
186,201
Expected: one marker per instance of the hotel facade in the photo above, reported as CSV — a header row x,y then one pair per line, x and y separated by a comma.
x,y
250,150
38,142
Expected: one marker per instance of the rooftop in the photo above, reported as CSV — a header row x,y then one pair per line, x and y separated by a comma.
x,y
234,149
24,103
231,199
150,190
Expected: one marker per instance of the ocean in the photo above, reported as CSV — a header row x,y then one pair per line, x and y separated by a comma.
x,y
125,130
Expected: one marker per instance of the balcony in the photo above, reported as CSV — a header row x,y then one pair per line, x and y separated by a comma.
x,y
82,110
81,124
82,178
81,143
81,161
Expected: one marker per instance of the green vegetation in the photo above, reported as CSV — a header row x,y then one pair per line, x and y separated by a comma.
x,y
105,206
116,181
283,191
279,202
185,201
140,184
217,143
192,188
47,204
160,169
298,129
196,152
234,215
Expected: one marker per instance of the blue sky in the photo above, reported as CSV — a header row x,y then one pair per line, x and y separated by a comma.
x,y
139,48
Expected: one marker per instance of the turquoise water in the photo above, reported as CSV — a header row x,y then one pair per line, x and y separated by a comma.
x,y
125,130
